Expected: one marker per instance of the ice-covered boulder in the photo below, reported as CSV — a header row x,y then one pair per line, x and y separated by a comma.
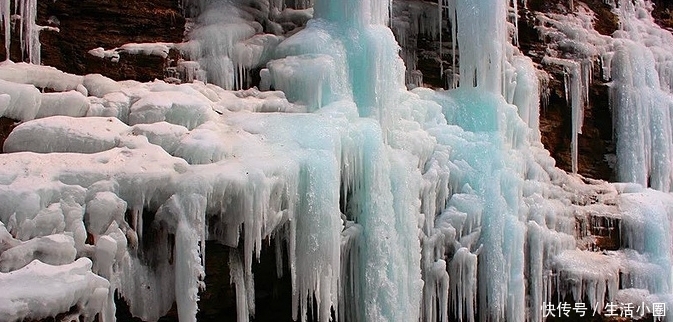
x,y
24,103
163,134
66,134
40,290
55,249
71,103
173,107
39,76
99,85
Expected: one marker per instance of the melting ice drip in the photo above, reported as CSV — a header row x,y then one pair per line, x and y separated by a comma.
x,y
440,189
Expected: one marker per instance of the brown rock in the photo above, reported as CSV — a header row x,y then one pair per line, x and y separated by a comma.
x,y
6,127
85,25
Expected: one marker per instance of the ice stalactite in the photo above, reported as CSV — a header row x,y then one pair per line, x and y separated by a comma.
x,y
5,11
30,31
349,305
543,244
228,39
188,212
526,94
577,76
463,290
317,242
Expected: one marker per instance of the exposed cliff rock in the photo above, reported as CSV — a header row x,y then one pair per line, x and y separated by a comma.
x,y
6,127
85,25
663,13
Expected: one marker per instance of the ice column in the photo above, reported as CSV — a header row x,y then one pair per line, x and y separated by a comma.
x,y
381,191
526,94
641,98
381,203
481,36
642,118
354,12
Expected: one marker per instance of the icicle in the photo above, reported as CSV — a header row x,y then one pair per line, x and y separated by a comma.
x,y
242,293
349,305
577,77
29,32
440,9
5,16
515,16
526,94
464,285
30,36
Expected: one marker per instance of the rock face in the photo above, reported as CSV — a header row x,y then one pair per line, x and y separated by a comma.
x,y
663,13
85,25
6,127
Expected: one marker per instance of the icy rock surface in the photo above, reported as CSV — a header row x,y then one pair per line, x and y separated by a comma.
x,y
637,62
388,204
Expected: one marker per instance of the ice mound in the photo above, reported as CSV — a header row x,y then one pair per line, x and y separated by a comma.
x,y
71,103
24,102
163,134
40,76
66,134
40,290
53,249
173,107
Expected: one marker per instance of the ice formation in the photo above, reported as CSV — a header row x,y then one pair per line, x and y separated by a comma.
x,y
388,204
637,60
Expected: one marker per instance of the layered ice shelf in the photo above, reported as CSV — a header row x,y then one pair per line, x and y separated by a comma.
x,y
384,204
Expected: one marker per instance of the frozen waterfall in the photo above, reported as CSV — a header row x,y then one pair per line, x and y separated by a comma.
x,y
383,204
